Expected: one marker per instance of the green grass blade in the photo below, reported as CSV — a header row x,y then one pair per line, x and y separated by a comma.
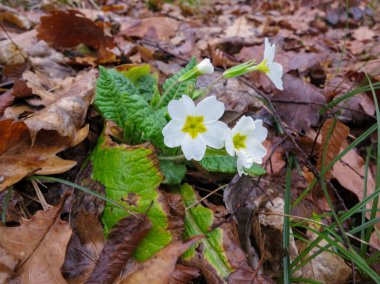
x,y
77,186
286,231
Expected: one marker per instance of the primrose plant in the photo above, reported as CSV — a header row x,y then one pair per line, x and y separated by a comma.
x,y
186,134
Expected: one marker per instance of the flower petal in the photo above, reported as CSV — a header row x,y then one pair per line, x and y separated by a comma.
x,y
177,110
256,151
214,136
188,104
240,167
260,133
229,144
205,66
210,108
193,148
269,50
275,74
173,134
245,124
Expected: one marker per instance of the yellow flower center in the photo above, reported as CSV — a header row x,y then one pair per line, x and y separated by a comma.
x,y
194,126
239,141
263,67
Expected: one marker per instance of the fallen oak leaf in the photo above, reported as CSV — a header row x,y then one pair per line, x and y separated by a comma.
x,y
20,157
159,268
298,105
122,240
68,29
66,109
39,245
158,28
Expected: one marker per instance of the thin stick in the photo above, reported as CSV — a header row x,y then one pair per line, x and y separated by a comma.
x,y
208,195
40,196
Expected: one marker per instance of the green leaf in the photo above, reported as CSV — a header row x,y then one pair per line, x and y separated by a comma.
x,y
227,164
147,86
131,176
137,72
174,173
173,90
118,100
198,221
111,98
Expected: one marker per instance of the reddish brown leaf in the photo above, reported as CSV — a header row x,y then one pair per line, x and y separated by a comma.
x,y
122,240
6,100
339,133
21,89
65,29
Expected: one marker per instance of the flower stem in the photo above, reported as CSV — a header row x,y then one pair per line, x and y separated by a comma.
x,y
212,84
165,94
171,158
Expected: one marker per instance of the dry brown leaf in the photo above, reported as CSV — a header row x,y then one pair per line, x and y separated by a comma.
x,y
6,100
15,17
158,28
39,245
240,28
339,133
184,274
122,240
66,108
159,268
19,157
84,248
298,105
363,33
67,29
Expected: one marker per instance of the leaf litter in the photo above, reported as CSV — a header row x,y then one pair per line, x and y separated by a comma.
x,y
49,59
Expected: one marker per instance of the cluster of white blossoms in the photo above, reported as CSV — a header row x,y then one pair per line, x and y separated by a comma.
x,y
196,127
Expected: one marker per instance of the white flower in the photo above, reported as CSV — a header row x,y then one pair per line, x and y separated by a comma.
x,y
272,69
205,67
245,140
195,127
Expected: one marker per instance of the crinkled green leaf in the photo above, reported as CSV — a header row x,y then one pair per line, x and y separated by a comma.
x,y
174,173
227,164
131,176
112,92
198,221
118,100
147,86
176,90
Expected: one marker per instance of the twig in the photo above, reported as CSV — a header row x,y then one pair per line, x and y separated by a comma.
x,y
205,197
40,196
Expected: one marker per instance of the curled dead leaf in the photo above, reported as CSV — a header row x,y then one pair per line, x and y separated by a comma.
x,y
122,240
339,133
159,268
66,109
20,157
